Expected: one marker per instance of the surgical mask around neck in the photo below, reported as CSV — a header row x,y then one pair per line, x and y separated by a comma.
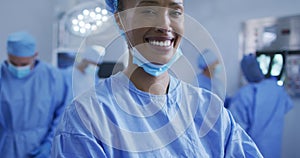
x,y
19,71
150,68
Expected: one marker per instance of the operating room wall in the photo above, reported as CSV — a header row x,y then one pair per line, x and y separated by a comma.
x,y
223,21
34,16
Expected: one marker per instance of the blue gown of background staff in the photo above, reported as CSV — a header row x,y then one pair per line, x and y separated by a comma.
x,y
206,83
30,109
77,139
260,108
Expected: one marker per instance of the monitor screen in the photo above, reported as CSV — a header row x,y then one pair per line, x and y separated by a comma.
x,y
64,57
109,68
271,63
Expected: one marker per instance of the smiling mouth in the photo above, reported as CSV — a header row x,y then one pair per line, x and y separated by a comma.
x,y
160,42
166,43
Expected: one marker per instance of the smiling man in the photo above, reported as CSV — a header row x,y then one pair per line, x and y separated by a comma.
x,y
145,111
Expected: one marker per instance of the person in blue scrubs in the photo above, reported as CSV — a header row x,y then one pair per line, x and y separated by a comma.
x,y
144,111
260,106
32,100
210,68
210,76
83,74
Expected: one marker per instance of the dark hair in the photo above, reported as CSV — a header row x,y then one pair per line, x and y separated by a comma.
x,y
120,6
113,6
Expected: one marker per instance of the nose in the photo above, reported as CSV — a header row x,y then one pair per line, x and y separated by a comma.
x,y
163,23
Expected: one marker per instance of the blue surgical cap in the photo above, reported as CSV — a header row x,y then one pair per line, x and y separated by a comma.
x,y
251,69
112,5
206,58
21,44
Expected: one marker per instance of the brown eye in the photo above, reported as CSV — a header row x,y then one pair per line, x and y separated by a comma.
x,y
175,13
149,11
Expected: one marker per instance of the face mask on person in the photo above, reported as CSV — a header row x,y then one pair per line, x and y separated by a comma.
x,y
19,71
153,69
218,70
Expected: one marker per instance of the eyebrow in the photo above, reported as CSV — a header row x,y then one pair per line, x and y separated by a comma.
x,y
176,3
155,2
148,2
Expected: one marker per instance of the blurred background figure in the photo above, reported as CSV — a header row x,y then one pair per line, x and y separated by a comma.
x,y
84,74
260,107
210,75
32,99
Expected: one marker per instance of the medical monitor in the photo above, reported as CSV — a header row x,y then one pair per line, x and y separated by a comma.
x,y
272,63
64,58
109,68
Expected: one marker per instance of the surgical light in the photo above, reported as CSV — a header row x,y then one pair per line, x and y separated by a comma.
x,y
98,9
92,14
104,12
76,28
104,18
75,22
86,12
80,17
84,20
98,16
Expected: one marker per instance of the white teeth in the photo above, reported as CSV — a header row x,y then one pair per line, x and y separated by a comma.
x,y
166,43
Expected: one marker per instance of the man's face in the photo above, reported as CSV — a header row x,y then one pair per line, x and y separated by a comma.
x,y
21,61
153,27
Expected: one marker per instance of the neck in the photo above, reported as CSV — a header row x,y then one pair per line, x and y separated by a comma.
x,y
81,66
157,85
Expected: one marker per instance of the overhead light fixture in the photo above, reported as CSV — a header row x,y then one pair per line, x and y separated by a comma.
x,y
86,18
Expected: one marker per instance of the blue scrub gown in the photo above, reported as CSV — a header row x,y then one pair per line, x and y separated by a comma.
x,y
204,81
215,85
115,119
79,82
30,109
260,108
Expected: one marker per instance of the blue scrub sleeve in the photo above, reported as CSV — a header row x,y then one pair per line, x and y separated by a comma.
x,y
288,104
61,99
240,144
239,106
73,139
